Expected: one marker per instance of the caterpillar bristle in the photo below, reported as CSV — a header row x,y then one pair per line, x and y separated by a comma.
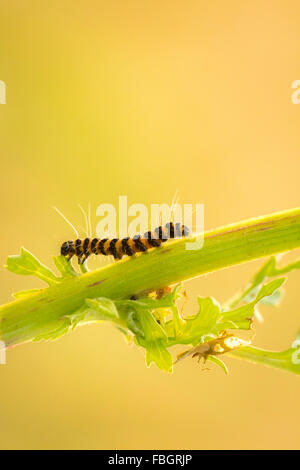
x,y
83,248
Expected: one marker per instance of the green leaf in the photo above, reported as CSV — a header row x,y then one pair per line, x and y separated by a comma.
x,y
218,361
268,289
61,328
242,316
27,264
154,341
161,309
105,308
210,321
133,325
269,269
78,316
204,322
151,328
156,352
274,299
155,323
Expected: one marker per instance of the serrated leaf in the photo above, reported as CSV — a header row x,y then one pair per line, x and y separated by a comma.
x,y
203,323
27,264
153,340
244,314
210,321
152,330
269,269
161,309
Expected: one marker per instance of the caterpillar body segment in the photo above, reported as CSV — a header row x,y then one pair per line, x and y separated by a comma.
x,y
83,248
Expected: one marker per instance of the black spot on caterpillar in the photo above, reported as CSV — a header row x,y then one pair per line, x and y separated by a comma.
x,y
83,248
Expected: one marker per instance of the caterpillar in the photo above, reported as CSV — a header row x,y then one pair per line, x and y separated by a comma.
x,y
83,248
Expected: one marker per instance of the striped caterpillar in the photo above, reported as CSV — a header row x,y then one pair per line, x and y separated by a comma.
x,y
83,248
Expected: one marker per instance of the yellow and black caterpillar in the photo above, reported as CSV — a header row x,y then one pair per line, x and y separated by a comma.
x,y
83,248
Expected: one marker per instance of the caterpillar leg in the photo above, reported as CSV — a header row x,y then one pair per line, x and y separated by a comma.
x,y
82,259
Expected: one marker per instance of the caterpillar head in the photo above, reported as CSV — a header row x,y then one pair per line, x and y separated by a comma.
x,y
66,248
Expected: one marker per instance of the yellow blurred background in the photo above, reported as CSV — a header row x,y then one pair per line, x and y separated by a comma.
x,y
143,99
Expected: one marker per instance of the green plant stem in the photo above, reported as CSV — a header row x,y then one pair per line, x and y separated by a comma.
x,y
24,319
279,360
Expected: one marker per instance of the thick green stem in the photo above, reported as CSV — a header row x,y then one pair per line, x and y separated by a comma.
x,y
36,314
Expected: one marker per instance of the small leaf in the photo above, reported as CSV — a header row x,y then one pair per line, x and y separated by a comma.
x,y
78,316
61,329
105,308
161,309
134,326
218,361
269,269
210,321
153,340
270,288
274,299
244,314
27,264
